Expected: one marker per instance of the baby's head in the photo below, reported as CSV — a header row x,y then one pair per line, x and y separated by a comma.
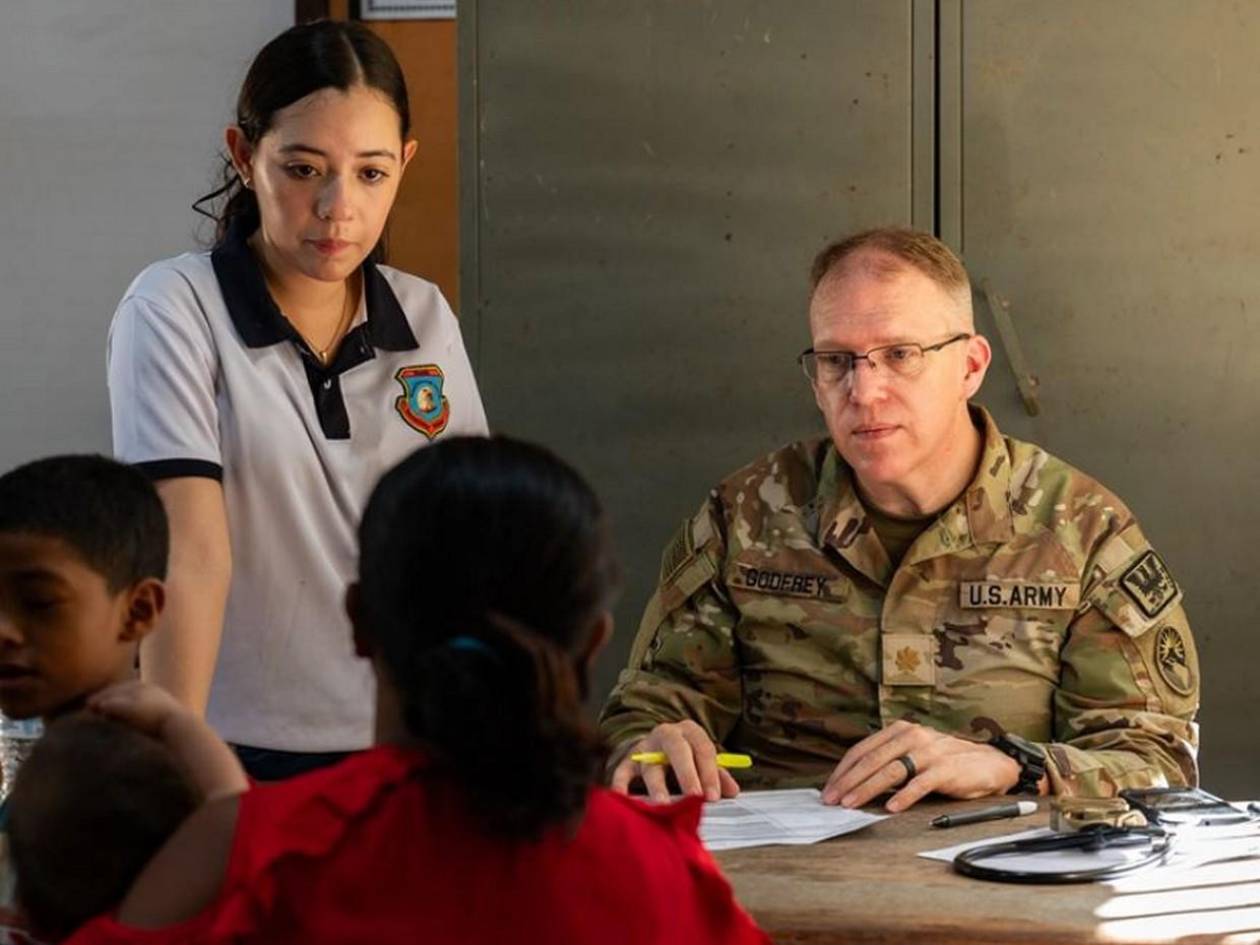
x,y
93,803
83,548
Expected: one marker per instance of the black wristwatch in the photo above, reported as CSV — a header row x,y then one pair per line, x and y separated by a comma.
x,y
1031,758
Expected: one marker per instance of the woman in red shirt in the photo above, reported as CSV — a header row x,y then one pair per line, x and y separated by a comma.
x,y
485,576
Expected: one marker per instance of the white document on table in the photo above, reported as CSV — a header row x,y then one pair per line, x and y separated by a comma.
x,y
765,818
1231,850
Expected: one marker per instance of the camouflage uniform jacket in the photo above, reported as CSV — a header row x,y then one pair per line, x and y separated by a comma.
x,y
1033,604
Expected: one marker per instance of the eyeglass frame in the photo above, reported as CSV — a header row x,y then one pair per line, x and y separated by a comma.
x,y
800,358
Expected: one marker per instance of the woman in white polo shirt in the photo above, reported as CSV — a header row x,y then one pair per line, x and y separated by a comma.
x,y
267,384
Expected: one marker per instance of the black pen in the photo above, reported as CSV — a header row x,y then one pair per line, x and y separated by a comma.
x,y
1016,809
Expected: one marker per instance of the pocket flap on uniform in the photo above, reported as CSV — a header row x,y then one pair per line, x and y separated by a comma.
x,y
687,578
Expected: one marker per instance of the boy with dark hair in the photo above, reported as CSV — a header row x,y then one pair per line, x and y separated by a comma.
x,y
83,549
83,552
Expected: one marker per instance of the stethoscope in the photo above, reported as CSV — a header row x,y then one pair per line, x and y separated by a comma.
x,y
1088,839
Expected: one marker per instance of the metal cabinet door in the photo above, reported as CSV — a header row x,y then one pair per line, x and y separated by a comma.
x,y
651,183
1104,178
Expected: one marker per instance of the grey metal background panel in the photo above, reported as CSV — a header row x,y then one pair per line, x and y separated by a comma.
x,y
654,179
469,87
1109,190
949,140
923,109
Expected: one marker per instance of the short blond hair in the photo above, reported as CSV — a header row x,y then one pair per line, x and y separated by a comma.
x,y
910,248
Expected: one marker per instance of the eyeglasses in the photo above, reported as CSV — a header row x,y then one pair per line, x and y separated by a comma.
x,y
829,368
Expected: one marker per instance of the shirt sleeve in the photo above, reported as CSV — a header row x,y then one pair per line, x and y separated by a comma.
x,y
684,663
473,420
1129,691
162,370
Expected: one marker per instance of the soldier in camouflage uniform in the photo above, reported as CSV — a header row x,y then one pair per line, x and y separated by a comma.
x,y
875,610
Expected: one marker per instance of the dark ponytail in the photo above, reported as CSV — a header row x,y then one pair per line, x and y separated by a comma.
x,y
485,569
300,61
507,717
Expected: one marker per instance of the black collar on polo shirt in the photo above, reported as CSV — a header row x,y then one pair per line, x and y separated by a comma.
x,y
260,324
259,320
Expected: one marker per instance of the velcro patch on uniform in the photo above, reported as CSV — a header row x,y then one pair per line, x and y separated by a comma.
x,y
680,551
1173,663
1149,584
907,659
1037,595
785,583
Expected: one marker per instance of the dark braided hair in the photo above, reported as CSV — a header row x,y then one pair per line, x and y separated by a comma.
x,y
485,566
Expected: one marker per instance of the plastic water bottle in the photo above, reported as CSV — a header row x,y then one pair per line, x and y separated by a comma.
x,y
17,738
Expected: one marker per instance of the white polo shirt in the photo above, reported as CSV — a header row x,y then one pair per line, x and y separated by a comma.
x,y
208,378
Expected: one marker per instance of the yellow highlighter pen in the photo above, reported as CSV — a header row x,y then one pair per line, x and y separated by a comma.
x,y
724,759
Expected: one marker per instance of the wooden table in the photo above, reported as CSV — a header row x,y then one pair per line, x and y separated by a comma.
x,y
870,887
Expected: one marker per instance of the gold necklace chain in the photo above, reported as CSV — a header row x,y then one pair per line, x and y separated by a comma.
x,y
339,330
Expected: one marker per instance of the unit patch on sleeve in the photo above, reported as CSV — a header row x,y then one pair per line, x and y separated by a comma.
x,y
1170,657
680,551
1041,595
423,405
1149,584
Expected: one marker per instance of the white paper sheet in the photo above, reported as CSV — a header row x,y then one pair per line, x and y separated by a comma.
x,y
765,818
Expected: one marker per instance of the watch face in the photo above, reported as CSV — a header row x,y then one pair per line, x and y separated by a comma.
x,y
1024,746
1030,757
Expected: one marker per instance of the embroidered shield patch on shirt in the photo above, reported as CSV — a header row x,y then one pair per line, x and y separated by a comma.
x,y
908,659
424,407
1149,584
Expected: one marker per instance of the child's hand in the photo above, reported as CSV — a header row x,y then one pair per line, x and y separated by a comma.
x,y
209,763
143,706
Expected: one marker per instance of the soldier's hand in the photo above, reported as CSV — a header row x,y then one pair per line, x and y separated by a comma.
x,y
692,756
942,763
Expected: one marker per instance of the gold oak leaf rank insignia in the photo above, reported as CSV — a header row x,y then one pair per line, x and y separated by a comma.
x,y
907,660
